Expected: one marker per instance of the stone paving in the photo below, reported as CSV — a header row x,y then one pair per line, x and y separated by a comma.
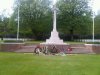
x,y
28,49
76,49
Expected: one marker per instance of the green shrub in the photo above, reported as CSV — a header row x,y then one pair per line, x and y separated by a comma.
x,y
93,42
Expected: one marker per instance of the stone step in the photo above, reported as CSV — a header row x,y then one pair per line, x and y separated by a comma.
x,y
81,51
78,49
31,46
31,50
77,45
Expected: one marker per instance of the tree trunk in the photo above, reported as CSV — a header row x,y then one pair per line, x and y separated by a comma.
x,y
71,35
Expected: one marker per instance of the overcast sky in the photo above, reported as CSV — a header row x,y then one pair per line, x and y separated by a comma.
x,y
6,5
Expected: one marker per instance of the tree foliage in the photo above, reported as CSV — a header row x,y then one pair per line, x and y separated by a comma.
x,y
97,24
35,17
4,26
74,17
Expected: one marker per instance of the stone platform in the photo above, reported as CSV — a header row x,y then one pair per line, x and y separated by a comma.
x,y
76,48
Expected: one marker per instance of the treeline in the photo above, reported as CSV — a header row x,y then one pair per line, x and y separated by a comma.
x,y
74,20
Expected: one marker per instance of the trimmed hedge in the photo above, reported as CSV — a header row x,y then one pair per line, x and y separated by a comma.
x,y
93,42
13,41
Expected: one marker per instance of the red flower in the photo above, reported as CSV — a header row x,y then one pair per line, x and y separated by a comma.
x,y
69,49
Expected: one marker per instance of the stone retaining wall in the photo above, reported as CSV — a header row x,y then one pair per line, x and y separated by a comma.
x,y
94,47
10,47
86,49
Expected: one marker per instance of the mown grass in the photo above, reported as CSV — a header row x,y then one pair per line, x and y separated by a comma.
x,y
29,64
1,41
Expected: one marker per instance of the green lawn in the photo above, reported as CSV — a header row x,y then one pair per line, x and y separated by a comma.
x,y
29,64
38,42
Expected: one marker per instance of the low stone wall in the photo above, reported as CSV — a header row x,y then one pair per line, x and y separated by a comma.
x,y
10,47
94,47
76,49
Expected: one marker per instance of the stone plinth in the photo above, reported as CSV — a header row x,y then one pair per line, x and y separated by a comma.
x,y
54,39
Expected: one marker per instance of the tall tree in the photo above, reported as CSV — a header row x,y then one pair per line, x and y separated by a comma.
x,y
97,26
35,17
74,17
4,29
